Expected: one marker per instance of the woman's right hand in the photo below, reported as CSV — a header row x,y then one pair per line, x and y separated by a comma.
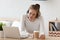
x,y
30,35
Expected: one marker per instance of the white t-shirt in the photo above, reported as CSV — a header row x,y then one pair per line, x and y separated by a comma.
x,y
30,27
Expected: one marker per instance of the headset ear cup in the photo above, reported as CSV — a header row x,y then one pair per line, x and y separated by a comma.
x,y
27,11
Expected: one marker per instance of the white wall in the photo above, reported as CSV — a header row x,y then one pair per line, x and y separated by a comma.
x,y
16,8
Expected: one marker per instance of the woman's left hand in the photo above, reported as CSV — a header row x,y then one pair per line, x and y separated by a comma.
x,y
42,37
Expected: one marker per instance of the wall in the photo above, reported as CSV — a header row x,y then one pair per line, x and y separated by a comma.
x,y
16,8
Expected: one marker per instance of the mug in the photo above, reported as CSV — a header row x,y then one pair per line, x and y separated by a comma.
x,y
36,34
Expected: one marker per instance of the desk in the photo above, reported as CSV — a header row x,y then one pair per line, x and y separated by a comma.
x,y
19,39
48,38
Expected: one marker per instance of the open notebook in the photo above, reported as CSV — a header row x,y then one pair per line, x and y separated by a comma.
x,y
11,32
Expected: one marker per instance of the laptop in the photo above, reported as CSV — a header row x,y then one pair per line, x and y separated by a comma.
x,y
11,32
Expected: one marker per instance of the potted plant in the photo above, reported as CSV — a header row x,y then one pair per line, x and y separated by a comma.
x,y
1,25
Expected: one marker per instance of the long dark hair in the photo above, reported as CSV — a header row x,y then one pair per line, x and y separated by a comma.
x,y
37,8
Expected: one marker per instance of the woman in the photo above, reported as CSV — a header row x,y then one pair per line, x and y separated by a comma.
x,y
33,20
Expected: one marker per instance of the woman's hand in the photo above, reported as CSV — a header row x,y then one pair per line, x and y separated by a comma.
x,y
42,37
30,35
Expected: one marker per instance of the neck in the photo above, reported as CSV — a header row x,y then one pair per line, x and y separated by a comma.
x,y
33,19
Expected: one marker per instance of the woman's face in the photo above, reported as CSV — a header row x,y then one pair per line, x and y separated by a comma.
x,y
32,14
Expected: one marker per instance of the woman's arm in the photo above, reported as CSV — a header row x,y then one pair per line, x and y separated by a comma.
x,y
23,23
42,33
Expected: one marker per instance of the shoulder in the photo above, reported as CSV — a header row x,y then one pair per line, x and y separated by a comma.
x,y
24,16
40,17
